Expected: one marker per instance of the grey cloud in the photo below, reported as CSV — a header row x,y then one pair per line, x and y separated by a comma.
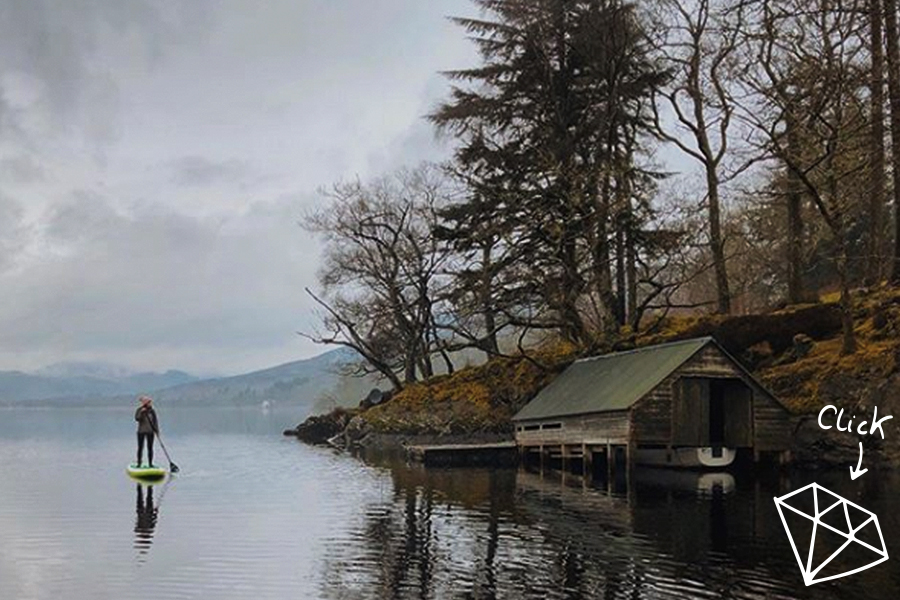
x,y
419,142
215,120
21,169
200,171
69,48
119,281
86,217
13,232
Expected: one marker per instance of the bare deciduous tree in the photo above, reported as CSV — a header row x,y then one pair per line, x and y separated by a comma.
x,y
893,66
699,44
877,151
804,71
382,269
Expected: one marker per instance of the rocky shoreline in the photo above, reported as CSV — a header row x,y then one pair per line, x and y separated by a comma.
x,y
347,430
812,448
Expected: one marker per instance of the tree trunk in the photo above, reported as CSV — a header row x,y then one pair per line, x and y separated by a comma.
x,y
877,162
796,292
628,287
794,198
631,271
838,228
848,339
716,240
574,326
489,344
717,243
427,367
448,362
893,63
382,368
620,269
601,261
409,369
710,166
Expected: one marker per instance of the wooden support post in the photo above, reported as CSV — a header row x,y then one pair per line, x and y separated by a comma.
x,y
564,458
610,464
784,457
629,458
542,460
587,466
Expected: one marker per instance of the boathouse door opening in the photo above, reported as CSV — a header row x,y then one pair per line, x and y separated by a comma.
x,y
713,412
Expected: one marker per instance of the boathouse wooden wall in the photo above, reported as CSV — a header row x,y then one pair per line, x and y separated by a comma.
x,y
597,428
772,424
666,416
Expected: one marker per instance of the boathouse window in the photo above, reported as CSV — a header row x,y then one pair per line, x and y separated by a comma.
x,y
531,427
551,426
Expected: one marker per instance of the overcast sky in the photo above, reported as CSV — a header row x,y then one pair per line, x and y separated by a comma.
x,y
155,157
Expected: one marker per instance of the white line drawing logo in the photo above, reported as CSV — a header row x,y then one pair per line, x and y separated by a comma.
x,y
827,506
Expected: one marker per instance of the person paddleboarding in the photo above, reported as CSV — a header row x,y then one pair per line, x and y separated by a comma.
x,y
148,427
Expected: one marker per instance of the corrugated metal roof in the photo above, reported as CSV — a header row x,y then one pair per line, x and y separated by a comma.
x,y
609,382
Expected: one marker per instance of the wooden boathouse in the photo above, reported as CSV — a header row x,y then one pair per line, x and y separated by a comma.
x,y
680,404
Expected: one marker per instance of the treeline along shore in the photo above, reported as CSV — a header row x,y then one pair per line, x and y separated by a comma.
x,y
556,230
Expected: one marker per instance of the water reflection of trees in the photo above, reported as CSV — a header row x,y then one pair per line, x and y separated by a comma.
x,y
437,536
501,534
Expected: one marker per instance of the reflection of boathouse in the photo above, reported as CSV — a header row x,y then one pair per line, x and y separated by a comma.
x,y
687,404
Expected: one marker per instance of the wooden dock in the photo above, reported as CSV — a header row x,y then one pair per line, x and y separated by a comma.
x,y
497,454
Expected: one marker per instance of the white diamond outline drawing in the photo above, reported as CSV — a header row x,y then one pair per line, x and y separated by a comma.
x,y
809,574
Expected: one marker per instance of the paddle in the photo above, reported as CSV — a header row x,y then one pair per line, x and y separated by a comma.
x,y
173,468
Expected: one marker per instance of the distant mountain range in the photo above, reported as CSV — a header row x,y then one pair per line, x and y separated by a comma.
x,y
316,383
98,370
68,381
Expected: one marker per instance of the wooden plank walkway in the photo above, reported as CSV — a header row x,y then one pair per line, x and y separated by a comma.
x,y
492,454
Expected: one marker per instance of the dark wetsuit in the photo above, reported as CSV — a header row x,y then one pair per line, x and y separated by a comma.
x,y
147,428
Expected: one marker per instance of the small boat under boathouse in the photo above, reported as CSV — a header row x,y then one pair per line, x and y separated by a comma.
x,y
680,404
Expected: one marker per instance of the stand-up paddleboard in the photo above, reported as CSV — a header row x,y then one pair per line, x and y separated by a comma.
x,y
145,472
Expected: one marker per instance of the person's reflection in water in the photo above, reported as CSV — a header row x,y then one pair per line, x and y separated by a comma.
x,y
146,520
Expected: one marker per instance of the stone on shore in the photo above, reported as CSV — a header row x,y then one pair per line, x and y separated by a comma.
x,y
319,429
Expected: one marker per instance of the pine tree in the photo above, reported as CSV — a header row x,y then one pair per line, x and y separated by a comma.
x,y
560,81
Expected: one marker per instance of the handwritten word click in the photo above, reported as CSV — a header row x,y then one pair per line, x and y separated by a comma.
x,y
860,428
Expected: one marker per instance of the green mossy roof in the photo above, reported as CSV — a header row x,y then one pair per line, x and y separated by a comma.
x,y
611,382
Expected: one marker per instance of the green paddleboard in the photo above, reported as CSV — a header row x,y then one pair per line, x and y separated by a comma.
x,y
145,472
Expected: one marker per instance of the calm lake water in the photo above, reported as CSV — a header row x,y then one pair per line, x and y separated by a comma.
x,y
255,515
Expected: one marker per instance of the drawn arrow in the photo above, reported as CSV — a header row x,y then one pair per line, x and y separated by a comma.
x,y
854,473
